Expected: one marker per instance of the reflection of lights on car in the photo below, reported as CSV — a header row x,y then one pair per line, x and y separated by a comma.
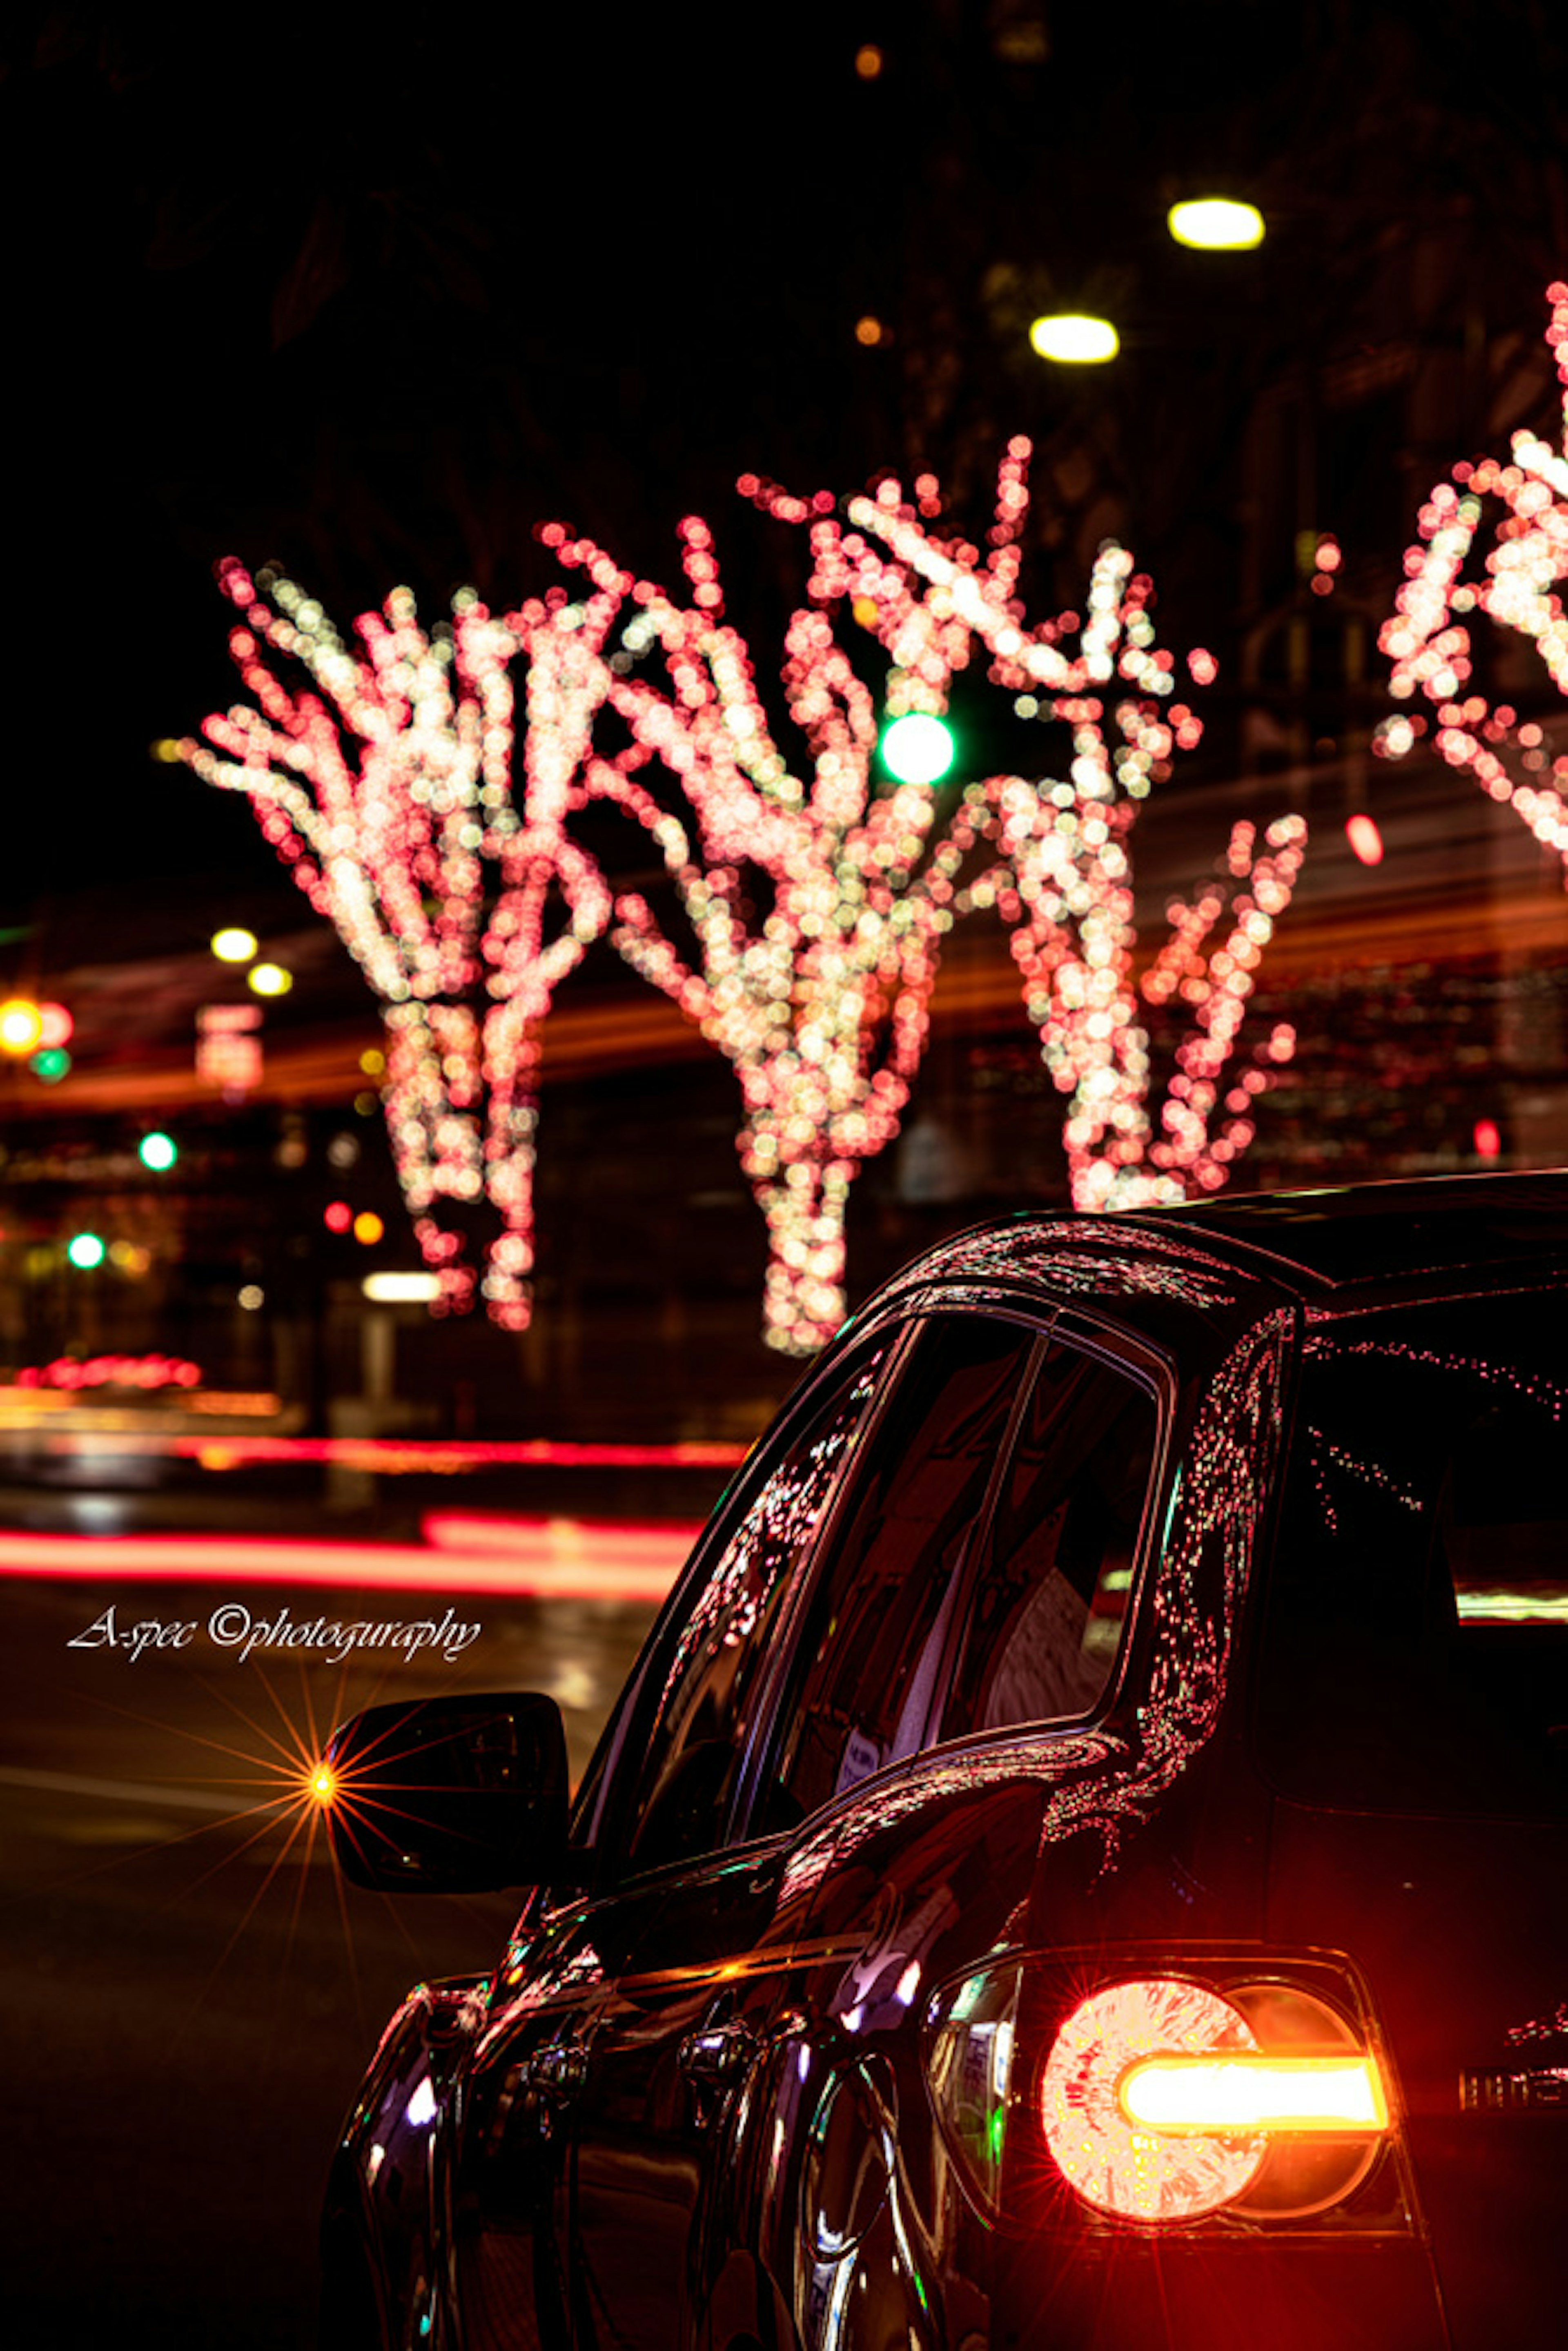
x,y
1074,340
420,2110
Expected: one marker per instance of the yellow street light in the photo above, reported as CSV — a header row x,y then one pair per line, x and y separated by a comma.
x,y
1215,224
21,1025
1073,339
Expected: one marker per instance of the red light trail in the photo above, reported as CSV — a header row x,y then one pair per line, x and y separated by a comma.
x,y
519,1559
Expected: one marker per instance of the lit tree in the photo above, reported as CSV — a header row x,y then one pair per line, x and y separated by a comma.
x,y
814,907
1062,880
385,782
1427,638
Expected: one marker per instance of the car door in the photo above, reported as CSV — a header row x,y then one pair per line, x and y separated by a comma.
x,y
926,1875
696,2030
633,1965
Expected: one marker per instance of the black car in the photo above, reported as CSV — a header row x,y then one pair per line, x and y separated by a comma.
x,y
1080,1860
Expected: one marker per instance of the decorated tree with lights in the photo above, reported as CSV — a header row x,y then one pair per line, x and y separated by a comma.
x,y
1061,878
1514,582
383,773
805,912
811,909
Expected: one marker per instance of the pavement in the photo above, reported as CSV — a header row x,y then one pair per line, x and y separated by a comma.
x,y
192,1993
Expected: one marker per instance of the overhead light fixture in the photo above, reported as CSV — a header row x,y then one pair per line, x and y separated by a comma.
x,y
1074,339
1215,224
400,1288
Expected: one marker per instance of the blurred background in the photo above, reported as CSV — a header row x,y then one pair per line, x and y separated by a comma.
x,y
370,302
373,308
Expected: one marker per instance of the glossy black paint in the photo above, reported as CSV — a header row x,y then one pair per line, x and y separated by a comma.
x,y
693,2103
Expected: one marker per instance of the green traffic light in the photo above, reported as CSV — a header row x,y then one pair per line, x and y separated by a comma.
x,y
158,1151
917,748
84,1251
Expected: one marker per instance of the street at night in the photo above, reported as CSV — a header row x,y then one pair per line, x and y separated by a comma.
x,y
784,1178
191,1995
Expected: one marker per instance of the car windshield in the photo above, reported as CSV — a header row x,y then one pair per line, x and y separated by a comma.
x,y
1415,1646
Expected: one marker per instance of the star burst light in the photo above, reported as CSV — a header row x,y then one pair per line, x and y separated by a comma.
x,y
1427,637
1062,881
384,782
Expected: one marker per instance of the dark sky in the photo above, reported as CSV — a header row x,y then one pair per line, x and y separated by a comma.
x,y
373,301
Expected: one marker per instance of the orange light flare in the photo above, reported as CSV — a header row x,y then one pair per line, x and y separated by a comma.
x,y
284,1796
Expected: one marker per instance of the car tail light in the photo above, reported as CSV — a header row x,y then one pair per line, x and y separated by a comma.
x,y
1242,2091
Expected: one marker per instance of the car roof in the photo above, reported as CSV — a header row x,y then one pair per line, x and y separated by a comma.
x,y
1353,1234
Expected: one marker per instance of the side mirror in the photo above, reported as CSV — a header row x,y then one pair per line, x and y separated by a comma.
x,y
449,1795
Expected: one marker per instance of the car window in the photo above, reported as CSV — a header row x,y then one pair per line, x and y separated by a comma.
x,y
1416,1646
1043,1622
708,1677
870,1654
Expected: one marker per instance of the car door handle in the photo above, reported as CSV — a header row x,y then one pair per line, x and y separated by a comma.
x,y
714,2059
559,2070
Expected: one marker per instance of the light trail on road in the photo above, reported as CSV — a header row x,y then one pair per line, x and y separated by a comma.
x,y
521,1558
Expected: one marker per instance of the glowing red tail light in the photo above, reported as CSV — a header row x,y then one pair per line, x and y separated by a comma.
x,y
1162,2098
1301,2095
1109,2159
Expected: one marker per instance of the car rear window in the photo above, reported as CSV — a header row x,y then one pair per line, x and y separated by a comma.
x,y
1415,1646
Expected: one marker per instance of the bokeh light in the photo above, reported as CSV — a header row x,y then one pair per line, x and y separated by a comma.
x,y
1074,340
1215,224
917,748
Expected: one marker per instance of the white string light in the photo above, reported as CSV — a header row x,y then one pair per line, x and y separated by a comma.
x,y
1428,640
385,784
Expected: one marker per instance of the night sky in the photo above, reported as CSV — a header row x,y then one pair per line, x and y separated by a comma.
x,y
374,302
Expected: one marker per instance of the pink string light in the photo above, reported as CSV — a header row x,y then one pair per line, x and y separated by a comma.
x,y
817,986
1063,882
1427,637
385,784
